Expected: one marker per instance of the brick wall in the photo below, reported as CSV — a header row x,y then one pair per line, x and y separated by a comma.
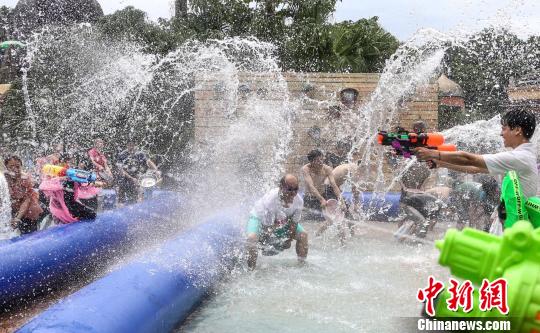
x,y
323,91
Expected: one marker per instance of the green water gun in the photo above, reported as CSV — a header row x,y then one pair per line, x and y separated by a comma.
x,y
475,255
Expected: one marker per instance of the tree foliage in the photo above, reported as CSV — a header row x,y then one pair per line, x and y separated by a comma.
x,y
132,24
5,21
362,46
305,38
485,64
300,29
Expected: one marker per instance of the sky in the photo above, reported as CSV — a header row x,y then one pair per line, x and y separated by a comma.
x,y
402,18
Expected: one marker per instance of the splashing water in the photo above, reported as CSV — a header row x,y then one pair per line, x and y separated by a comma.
x,y
113,89
78,86
337,291
243,155
5,210
365,286
480,137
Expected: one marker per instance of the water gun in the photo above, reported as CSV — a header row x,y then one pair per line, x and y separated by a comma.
x,y
475,255
404,141
75,175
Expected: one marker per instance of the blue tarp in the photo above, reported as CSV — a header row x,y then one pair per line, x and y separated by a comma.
x,y
153,293
376,206
35,261
160,289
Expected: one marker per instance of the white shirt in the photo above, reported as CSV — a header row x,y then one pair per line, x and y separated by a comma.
x,y
522,160
270,209
6,231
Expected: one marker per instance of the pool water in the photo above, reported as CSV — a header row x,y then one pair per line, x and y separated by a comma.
x,y
369,285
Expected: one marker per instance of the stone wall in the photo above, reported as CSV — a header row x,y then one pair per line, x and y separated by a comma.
x,y
4,89
326,87
313,94
526,95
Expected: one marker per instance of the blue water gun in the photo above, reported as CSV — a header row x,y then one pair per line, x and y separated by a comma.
x,y
80,176
75,175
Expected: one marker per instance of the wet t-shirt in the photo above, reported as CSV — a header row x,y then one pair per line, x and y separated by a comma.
x,y
99,158
135,164
271,211
522,160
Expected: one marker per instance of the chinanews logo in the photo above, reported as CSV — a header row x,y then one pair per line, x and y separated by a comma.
x,y
491,295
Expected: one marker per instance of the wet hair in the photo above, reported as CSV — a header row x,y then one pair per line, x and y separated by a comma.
x,y
314,154
489,185
419,126
491,188
349,92
12,157
65,157
282,181
341,144
522,118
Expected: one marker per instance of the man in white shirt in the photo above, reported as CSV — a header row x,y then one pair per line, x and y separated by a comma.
x,y
518,127
275,221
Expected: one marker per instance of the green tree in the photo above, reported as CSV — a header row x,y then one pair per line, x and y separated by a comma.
x,y
362,46
484,65
301,31
132,24
305,40
13,125
5,22
532,53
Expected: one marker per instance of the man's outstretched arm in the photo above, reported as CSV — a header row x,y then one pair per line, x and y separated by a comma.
x,y
460,168
456,158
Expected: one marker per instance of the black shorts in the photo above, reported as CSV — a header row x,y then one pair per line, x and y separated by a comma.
x,y
128,192
311,201
83,209
27,226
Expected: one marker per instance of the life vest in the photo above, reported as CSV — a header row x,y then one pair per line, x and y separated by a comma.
x,y
512,206
533,209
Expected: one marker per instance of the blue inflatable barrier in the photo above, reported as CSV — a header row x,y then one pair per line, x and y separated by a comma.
x,y
376,206
33,262
152,294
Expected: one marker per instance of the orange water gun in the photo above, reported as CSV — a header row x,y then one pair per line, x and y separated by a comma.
x,y
404,142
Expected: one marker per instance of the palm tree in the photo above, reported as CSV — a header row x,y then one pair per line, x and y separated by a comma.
x,y
362,46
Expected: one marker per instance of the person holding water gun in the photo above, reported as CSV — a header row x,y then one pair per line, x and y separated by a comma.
x,y
132,165
99,162
72,192
518,126
420,208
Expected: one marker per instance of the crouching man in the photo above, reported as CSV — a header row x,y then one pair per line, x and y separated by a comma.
x,y
275,221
